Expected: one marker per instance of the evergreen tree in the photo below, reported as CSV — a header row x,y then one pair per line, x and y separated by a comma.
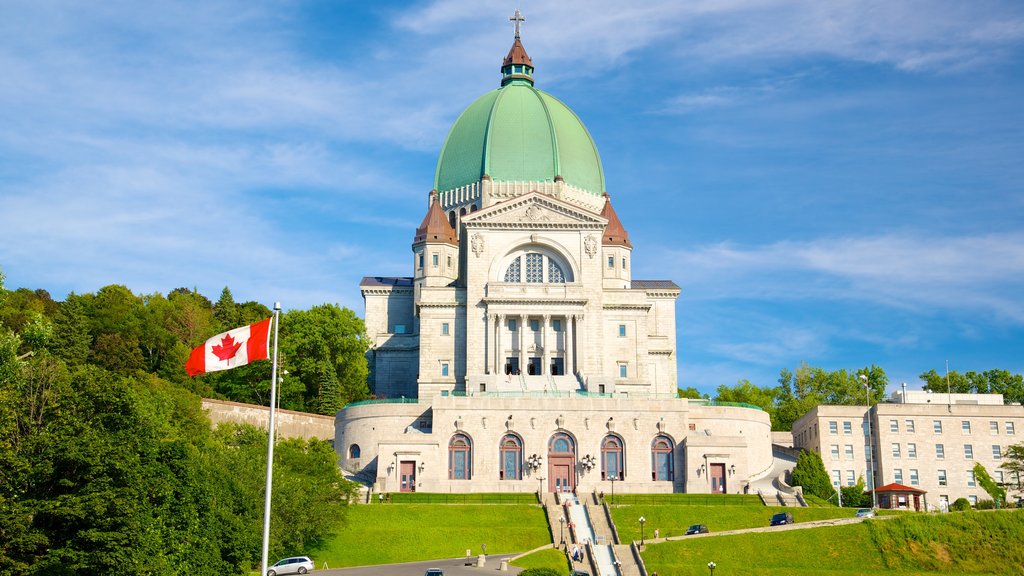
x,y
227,312
71,340
810,473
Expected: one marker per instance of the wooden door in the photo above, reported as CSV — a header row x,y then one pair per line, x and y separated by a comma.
x,y
562,477
407,472
718,478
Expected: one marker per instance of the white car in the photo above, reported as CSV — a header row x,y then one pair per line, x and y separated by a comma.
x,y
293,565
865,513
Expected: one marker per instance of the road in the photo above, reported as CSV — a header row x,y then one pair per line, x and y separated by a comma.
x,y
451,567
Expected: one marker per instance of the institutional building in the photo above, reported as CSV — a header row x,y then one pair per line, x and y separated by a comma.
x,y
923,440
521,354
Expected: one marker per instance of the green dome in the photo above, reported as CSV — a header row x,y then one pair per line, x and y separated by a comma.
x,y
519,133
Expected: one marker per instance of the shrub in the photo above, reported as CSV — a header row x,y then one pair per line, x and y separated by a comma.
x,y
539,572
985,505
959,505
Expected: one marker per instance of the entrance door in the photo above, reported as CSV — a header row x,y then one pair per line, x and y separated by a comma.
x,y
718,478
407,472
512,365
562,477
557,366
534,368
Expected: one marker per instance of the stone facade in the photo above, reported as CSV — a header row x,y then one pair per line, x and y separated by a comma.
x,y
289,423
521,354
924,443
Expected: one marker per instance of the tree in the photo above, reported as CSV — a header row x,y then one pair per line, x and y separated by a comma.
x,y
1013,463
810,473
326,335
747,393
71,340
997,492
995,381
690,392
226,312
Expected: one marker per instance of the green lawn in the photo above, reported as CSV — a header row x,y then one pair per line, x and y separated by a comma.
x,y
915,545
673,520
382,534
551,558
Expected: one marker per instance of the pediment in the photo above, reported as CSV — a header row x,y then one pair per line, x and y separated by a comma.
x,y
536,211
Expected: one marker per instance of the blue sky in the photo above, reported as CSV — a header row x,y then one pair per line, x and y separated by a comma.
x,y
838,183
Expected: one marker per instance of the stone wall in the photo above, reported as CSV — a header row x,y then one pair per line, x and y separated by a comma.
x,y
290,424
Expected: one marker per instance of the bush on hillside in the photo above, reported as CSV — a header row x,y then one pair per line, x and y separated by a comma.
x,y
985,505
959,505
810,473
539,572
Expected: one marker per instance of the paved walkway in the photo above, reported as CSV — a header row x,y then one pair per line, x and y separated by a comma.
x,y
795,526
451,567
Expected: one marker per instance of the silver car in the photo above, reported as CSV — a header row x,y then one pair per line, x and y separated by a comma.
x,y
293,565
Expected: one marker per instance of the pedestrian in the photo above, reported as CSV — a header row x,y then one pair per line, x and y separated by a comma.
x,y
380,497
575,553
656,533
484,548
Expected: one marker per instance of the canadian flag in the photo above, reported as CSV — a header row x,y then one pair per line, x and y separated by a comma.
x,y
231,349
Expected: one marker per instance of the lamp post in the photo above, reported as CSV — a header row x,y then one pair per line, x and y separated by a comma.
x,y
642,521
613,490
540,486
871,446
561,529
711,567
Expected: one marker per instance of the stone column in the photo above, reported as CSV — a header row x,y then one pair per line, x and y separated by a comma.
x,y
544,357
497,343
522,341
569,352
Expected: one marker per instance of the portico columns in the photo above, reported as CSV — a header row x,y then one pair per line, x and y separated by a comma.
x,y
522,339
570,362
544,357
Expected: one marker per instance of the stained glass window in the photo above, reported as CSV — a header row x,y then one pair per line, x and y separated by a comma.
x,y
512,273
555,272
534,268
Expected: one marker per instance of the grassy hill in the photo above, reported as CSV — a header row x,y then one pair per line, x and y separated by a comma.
x,y
386,533
912,544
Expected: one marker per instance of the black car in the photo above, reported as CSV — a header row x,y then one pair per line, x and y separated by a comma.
x,y
697,529
780,519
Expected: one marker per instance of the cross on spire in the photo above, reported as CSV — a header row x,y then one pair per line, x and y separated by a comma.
x,y
516,19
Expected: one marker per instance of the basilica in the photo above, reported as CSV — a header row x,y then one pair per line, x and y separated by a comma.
x,y
521,355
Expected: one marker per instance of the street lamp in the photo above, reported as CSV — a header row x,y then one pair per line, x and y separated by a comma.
x,y
711,567
561,529
871,446
642,521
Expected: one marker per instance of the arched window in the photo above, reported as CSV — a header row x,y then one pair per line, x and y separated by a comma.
x,y
662,467
611,458
561,443
511,457
460,458
451,218
353,451
462,211
535,268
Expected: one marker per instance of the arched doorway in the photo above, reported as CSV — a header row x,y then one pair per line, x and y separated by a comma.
x,y
561,463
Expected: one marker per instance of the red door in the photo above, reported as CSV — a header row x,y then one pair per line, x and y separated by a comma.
x,y
408,476
561,474
718,478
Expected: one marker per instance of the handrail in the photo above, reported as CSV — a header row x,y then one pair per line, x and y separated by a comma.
x,y
637,558
383,401
611,524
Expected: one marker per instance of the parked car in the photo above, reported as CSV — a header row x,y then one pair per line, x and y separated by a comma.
x,y
780,519
697,529
434,572
293,565
865,513
579,573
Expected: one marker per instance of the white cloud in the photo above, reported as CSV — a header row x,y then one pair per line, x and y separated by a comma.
x,y
970,273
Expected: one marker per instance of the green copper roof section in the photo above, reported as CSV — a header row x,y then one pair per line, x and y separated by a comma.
x,y
519,133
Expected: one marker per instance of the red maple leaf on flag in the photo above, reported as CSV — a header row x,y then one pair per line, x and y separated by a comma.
x,y
227,348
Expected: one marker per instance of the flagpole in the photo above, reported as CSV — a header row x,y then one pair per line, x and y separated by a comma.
x,y
270,446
